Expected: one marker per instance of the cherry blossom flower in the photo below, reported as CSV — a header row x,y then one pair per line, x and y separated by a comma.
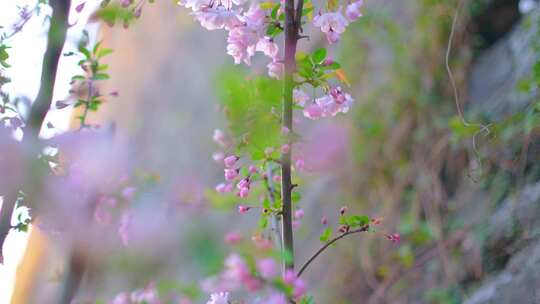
x,y
232,238
229,161
217,18
243,208
313,111
300,97
267,268
353,10
332,25
219,137
224,188
219,298
231,174
276,69
218,156
268,47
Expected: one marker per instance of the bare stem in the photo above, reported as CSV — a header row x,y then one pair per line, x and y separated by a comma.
x,y
291,39
327,244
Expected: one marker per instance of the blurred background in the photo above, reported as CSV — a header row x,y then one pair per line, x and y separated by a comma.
x,y
465,196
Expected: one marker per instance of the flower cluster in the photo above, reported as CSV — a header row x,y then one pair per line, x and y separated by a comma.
x,y
336,101
333,24
246,30
147,295
261,275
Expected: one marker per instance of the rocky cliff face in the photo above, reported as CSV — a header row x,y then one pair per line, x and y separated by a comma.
x,y
511,249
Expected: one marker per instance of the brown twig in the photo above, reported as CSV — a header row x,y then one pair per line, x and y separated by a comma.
x,y
327,244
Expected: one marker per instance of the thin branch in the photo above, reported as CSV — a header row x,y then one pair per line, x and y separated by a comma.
x,y
42,104
298,16
291,39
327,244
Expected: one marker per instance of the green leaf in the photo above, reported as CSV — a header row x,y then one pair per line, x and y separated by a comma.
x,y
4,55
85,52
319,55
101,76
325,236
104,52
296,196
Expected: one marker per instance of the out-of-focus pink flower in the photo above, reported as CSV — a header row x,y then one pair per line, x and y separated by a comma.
x,y
243,192
231,174
298,214
285,130
268,47
232,238
253,169
229,161
147,295
218,156
213,18
276,178
353,10
261,242
300,288
300,164
286,148
267,268
300,97
276,69
332,24
123,229
121,298
243,208
276,298
129,193
394,237
313,111
219,298
219,137
324,220
224,188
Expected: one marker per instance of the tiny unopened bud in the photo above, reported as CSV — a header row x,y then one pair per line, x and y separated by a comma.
x,y
343,210
243,208
252,169
324,220
229,161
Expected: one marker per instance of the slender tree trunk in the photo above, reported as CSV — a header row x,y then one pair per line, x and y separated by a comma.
x,y
291,39
55,42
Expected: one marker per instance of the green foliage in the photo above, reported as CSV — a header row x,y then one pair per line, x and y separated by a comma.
x,y
113,13
326,235
354,221
251,105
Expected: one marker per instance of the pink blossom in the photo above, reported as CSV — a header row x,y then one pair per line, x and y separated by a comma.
x,y
243,39
289,277
324,220
123,229
296,224
300,97
300,164
195,5
267,268
129,193
353,10
218,156
276,298
332,24
394,237
217,18
219,298
313,111
232,238
219,137
252,169
276,69
243,192
224,188
231,174
285,130
268,47
298,214
125,3
243,183
121,298
236,269
286,148
276,178
300,288
342,210
243,208
147,295
229,161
